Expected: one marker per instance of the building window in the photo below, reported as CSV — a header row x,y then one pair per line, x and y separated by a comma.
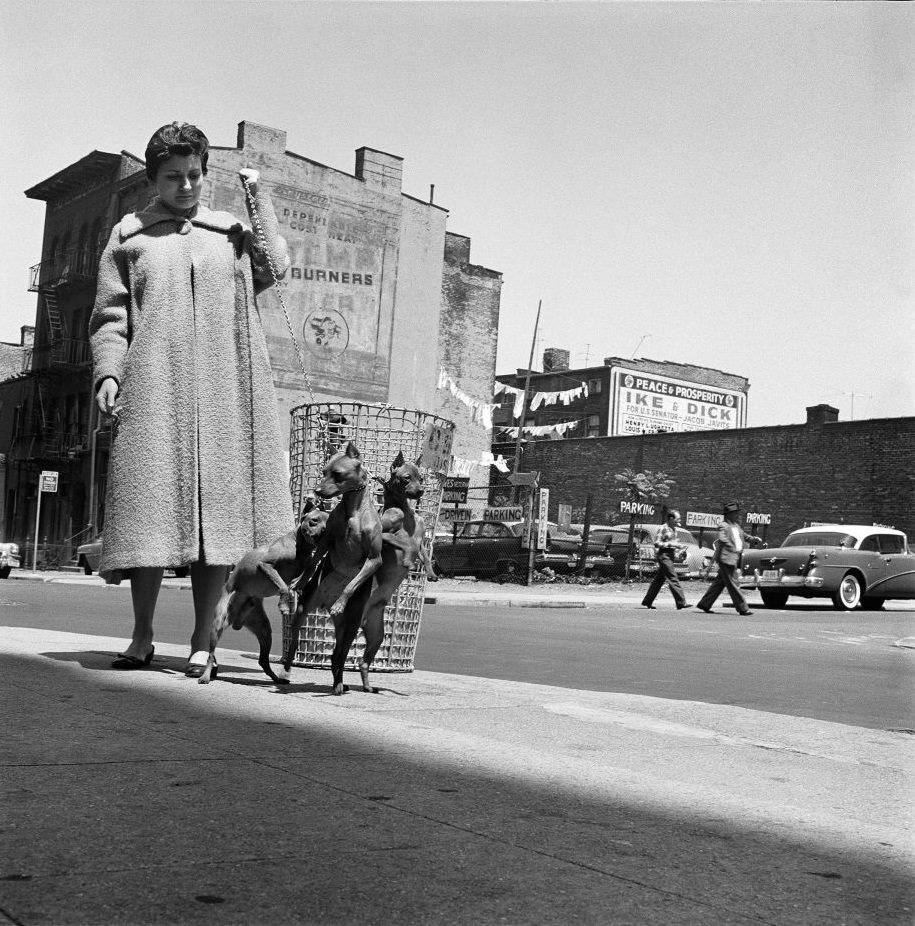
x,y
593,425
595,386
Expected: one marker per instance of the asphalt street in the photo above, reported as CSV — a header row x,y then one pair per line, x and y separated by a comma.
x,y
806,661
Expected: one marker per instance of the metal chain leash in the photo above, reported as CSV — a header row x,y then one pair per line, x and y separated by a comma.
x,y
278,289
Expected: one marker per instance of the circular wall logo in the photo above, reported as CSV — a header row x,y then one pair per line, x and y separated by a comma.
x,y
628,381
729,400
326,332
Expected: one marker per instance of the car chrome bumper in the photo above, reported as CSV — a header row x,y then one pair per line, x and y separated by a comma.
x,y
757,580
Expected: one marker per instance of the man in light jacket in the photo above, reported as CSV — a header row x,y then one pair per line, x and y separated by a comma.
x,y
667,547
728,548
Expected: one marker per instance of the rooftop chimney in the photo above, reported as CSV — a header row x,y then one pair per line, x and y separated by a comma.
x,y
260,137
822,414
379,170
555,360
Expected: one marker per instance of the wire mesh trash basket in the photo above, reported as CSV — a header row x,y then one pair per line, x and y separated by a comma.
x,y
380,432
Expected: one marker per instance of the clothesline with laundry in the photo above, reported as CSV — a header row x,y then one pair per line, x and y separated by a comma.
x,y
563,396
540,430
480,411
464,467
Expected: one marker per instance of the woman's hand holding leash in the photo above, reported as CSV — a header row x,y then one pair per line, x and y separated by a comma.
x,y
252,176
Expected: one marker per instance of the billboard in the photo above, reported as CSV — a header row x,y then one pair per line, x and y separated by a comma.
x,y
649,403
339,289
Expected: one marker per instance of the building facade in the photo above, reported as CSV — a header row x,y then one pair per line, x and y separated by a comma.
x,y
619,397
377,295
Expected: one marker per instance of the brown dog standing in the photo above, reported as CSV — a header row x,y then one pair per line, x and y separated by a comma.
x,y
353,542
264,572
403,533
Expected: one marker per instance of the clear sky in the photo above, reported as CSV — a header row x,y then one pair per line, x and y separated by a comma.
x,y
730,185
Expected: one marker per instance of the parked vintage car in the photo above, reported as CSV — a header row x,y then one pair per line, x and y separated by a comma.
x,y
490,549
88,555
9,559
851,564
642,559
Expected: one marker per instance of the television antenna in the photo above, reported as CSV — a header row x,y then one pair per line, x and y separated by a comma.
x,y
852,396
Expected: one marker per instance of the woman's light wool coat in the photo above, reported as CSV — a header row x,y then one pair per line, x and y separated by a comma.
x,y
197,468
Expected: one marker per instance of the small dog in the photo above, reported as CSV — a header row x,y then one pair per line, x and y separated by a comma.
x,y
352,539
266,571
403,533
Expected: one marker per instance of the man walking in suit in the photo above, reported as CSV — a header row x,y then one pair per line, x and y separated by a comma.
x,y
728,548
666,548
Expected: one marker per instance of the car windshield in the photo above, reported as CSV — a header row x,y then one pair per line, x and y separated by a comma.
x,y
491,529
819,539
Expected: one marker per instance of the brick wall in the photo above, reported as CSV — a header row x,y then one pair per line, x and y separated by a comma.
x,y
856,471
468,335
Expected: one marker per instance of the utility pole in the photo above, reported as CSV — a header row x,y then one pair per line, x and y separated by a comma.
x,y
527,386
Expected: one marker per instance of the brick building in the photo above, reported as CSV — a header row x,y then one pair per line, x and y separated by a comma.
x,y
824,470
380,297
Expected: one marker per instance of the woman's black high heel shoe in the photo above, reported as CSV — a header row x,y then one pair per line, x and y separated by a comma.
x,y
195,668
124,661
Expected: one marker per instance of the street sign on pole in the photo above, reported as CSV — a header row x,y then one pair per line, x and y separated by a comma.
x,y
47,482
454,490
523,479
542,514
645,509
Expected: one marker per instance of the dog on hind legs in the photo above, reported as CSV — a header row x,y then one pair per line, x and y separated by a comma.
x,y
402,549
268,570
353,542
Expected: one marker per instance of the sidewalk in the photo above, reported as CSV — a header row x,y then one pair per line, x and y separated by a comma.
x,y
143,797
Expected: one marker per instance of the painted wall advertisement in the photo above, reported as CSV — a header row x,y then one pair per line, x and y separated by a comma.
x,y
648,403
339,290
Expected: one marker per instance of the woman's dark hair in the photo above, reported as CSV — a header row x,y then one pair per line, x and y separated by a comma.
x,y
179,138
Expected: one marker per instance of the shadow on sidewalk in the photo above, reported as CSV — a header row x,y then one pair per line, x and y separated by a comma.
x,y
131,802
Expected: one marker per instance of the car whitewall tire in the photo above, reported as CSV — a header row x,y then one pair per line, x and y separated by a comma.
x,y
848,597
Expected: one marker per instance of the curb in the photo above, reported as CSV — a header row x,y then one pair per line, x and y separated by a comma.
x,y
508,602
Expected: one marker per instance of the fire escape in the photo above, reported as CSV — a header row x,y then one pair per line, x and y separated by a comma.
x,y
56,359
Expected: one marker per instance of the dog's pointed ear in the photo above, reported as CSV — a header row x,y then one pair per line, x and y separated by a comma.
x,y
419,460
308,506
352,450
398,461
